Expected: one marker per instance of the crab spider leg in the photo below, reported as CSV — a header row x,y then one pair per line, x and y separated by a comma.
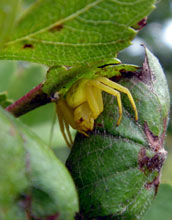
x,y
61,123
83,132
112,92
94,99
66,117
121,89
68,132
98,96
68,112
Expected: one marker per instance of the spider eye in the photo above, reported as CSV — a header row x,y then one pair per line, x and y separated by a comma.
x,y
81,119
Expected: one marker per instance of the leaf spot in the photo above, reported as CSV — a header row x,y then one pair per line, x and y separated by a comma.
x,y
58,27
28,46
150,164
140,25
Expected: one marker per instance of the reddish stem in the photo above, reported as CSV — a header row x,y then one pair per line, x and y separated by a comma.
x,y
33,99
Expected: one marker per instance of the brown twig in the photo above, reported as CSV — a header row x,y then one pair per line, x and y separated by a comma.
x,y
33,99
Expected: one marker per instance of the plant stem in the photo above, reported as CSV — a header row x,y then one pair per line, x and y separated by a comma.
x,y
33,99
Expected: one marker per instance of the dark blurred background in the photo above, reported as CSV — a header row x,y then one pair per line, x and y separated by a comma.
x,y
19,77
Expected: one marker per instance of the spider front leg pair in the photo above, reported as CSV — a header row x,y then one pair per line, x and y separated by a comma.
x,y
84,103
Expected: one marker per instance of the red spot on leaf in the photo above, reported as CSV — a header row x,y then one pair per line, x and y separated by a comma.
x,y
142,23
139,25
28,46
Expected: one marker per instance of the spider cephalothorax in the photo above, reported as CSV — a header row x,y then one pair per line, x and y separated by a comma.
x,y
84,103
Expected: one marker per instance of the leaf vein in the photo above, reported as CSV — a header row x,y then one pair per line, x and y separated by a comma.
x,y
70,17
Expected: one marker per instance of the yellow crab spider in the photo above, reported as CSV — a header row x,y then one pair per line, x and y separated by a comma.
x,y
83,104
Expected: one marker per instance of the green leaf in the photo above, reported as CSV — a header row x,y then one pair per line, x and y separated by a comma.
x,y
118,168
162,206
70,32
4,101
33,183
8,12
